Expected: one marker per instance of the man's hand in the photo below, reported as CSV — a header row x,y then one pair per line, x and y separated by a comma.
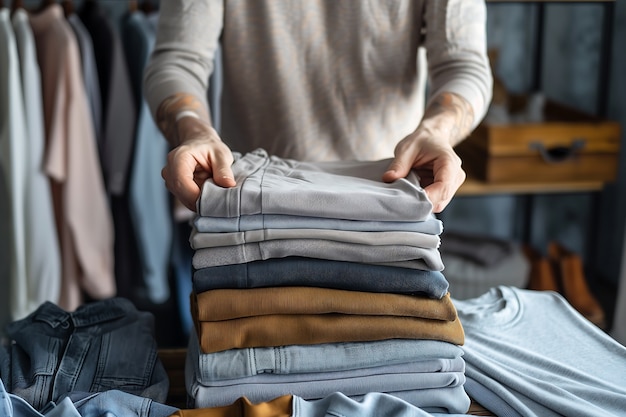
x,y
198,152
436,163
429,149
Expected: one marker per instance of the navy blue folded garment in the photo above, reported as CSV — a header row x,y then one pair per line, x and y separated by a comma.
x,y
315,272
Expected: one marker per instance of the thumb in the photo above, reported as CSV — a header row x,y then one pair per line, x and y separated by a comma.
x,y
222,171
398,168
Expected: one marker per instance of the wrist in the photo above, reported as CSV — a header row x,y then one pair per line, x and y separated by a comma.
x,y
185,113
448,116
193,128
179,114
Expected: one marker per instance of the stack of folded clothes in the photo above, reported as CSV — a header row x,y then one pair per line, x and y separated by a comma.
x,y
314,278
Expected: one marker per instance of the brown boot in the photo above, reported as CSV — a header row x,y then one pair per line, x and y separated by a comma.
x,y
570,271
541,273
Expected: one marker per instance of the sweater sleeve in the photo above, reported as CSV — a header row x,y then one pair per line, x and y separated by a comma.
x,y
456,45
187,40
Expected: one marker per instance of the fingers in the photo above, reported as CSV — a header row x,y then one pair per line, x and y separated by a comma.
x,y
222,172
447,180
401,165
189,165
439,168
179,180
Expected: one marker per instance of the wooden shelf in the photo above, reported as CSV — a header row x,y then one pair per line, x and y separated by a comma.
x,y
550,1
474,187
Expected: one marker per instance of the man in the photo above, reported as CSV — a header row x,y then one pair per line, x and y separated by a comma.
x,y
320,80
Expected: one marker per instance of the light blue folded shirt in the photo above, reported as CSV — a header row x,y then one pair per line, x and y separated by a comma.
x,y
431,225
531,353
374,404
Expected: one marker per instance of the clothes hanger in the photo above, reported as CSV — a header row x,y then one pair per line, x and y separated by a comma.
x,y
16,4
147,7
68,7
44,4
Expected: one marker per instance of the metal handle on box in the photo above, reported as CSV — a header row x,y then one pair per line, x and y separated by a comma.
x,y
558,154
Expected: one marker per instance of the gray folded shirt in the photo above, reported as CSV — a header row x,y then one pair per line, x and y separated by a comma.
x,y
351,190
317,248
200,240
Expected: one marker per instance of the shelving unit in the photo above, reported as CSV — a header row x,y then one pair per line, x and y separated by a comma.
x,y
605,53
475,187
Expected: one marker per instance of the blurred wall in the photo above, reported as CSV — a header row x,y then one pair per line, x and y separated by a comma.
x,y
589,223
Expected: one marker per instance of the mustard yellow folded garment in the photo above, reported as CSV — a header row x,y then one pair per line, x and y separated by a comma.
x,y
278,407
307,329
226,304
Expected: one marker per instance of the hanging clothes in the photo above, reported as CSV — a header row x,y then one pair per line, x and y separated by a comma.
x,y
82,213
90,72
12,170
149,199
43,259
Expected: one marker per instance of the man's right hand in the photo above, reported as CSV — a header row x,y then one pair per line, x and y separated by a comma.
x,y
200,155
198,152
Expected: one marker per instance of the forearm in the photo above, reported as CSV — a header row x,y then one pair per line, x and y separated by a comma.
x,y
447,116
175,109
456,45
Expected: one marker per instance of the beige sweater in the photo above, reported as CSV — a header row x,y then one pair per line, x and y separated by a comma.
x,y
321,80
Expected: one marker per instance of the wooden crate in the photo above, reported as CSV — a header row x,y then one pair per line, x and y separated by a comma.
x,y
568,146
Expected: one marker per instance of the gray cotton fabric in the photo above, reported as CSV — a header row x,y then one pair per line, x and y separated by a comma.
x,y
400,255
210,240
432,225
350,190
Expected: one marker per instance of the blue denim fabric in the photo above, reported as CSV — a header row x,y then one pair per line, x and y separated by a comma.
x,y
301,271
320,358
101,346
115,403
111,403
447,397
427,372
12,405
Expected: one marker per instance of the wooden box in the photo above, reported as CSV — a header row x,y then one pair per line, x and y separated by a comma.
x,y
567,145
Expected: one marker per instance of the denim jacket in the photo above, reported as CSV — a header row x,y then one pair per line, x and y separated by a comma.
x,y
101,346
